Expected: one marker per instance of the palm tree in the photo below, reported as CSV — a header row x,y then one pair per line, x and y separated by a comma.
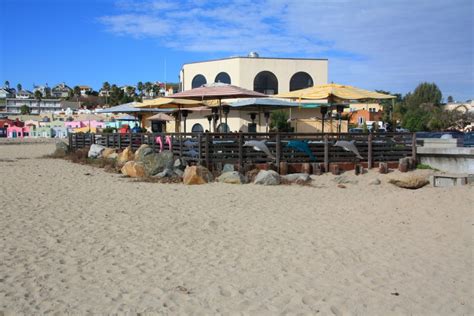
x,y
148,87
106,88
130,91
77,92
38,97
140,87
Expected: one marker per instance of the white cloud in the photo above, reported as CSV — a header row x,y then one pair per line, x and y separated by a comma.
x,y
391,44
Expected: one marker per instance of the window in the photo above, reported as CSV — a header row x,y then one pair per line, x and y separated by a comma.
x,y
300,80
223,77
265,82
198,81
197,128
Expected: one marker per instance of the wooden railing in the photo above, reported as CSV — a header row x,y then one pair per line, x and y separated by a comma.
x,y
210,148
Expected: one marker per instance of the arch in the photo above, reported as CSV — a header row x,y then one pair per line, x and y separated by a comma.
x,y
266,82
198,81
223,128
223,77
197,128
300,80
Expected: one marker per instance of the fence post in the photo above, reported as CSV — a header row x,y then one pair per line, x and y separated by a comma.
x,y
92,138
107,140
153,142
69,136
413,147
180,145
241,152
119,141
369,152
278,151
199,148
326,153
206,150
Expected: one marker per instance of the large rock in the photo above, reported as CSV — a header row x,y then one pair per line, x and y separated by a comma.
x,y
232,177
143,151
165,173
61,149
155,163
197,175
125,156
298,178
133,169
343,180
108,153
411,182
267,177
179,164
95,151
228,168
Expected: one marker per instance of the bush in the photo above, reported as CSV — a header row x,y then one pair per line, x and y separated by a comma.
x,y
109,130
279,121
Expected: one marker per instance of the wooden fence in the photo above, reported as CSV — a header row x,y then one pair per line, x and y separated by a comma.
x,y
210,148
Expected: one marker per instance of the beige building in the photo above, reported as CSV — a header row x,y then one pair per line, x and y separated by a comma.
x,y
262,74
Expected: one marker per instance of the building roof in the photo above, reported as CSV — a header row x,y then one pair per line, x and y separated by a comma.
x,y
247,57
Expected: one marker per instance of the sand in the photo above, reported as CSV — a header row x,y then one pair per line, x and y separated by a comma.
x,y
75,239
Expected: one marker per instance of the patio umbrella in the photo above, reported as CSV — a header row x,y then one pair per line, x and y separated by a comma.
x,y
218,91
171,103
333,93
160,117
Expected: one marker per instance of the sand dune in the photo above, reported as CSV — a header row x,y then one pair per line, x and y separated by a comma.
x,y
75,239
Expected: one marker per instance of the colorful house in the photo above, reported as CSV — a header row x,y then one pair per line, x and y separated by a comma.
x,y
60,132
17,132
41,131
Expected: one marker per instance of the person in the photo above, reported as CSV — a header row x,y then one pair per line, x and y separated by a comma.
x,y
136,129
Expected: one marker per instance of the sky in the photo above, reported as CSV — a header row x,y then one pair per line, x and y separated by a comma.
x,y
391,45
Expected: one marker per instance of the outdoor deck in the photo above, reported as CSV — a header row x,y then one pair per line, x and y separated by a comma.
x,y
211,148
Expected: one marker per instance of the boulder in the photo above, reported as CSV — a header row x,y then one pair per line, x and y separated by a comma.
x,y
178,172
231,177
179,164
125,156
411,182
133,169
375,182
228,168
95,151
151,164
343,180
61,149
108,152
196,175
299,178
165,173
143,151
267,177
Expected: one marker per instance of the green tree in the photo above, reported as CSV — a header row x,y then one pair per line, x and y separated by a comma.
x,y
148,87
7,83
130,91
25,109
279,121
106,88
450,99
38,97
424,93
18,87
140,87
77,92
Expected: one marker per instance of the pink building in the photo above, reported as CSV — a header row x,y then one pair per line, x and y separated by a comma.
x,y
17,132
73,124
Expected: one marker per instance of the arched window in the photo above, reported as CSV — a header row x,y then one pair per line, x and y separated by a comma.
x,y
223,128
222,77
265,82
300,80
198,81
197,128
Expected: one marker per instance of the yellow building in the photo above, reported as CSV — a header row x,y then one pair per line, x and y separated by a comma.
x,y
262,74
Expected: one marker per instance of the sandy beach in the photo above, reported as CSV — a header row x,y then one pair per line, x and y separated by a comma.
x,y
75,239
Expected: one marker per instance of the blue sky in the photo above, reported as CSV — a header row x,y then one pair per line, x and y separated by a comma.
x,y
391,45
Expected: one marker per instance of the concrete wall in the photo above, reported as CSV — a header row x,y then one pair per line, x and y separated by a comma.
x,y
455,160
